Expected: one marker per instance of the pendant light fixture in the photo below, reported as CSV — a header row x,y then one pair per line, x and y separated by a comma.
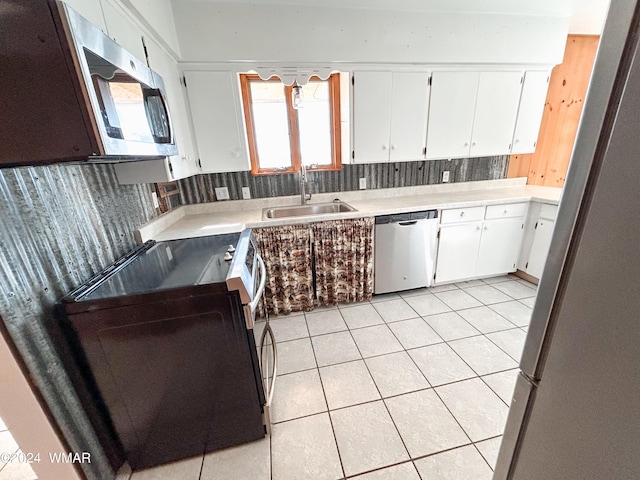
x,y
297,96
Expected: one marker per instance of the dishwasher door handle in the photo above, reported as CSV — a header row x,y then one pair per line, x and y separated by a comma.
x,y
407,224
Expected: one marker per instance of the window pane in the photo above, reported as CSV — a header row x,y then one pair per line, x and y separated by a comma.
x,y
314,121
271,124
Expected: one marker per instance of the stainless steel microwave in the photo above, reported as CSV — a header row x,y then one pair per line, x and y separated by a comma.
x,y
69,92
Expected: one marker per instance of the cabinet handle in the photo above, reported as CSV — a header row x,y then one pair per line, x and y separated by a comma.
x,y
462,214
384,147
473,144
478,227
486,228
466,144
505,212
393,147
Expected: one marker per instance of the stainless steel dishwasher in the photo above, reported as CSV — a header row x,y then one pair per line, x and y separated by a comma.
x,y
405,251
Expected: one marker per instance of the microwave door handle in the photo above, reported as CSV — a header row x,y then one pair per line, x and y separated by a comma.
x,y
156,92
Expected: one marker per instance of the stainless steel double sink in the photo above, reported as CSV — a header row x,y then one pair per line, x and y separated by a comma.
x,y
306,210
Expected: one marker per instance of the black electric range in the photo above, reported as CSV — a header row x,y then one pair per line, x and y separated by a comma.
x,y
161,343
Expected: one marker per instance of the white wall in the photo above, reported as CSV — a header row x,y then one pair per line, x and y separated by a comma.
x,y
210,32
20,410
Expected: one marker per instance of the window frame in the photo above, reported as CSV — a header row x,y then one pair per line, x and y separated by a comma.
x,y
292,119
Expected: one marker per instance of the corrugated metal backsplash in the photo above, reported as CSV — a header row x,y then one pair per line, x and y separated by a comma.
x,y
200,189
61,224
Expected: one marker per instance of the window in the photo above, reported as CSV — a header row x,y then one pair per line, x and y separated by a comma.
x,y
280,136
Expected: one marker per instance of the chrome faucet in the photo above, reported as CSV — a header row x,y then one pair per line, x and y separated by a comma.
x,y
304,197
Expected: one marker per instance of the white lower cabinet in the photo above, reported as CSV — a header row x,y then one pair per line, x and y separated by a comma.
x,y
479,248
458,251
499,247
540,248
537,238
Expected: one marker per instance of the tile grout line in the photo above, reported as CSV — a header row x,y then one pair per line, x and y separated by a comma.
x,y
326,401
481,455
380,394
201,466
405,350
432,388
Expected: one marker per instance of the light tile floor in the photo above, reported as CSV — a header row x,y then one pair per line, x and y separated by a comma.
x,y
408,386
12,470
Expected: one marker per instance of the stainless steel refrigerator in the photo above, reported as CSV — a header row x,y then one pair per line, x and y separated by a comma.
x,y
575,413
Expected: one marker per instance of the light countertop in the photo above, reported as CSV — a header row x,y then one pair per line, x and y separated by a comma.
x,y
233,216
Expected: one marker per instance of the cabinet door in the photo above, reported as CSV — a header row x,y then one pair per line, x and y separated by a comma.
x,y
499,247
184,164
409,108
495,114
540,247
371,116
217,122
451,109
532,102
123,30
458,251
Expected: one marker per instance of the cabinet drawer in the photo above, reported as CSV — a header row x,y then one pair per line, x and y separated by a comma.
x,y
511,210
548,211
454,215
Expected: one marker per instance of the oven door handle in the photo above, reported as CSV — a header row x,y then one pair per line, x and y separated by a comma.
x,y
253,304
271,370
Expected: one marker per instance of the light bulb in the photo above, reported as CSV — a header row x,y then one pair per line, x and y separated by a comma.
x,y
297,97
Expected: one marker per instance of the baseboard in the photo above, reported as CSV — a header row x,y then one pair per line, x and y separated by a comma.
x,y
527,277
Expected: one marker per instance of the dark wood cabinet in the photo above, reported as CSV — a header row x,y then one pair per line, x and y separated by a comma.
x,y
43,115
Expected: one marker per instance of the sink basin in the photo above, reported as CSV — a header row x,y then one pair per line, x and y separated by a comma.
x,y
306,210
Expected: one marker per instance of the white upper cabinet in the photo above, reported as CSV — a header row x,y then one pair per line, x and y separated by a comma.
x,y
123,30
371,116
389,116
185,163
451,109
177,166
472,113
215,103
532,102
409,111
495,113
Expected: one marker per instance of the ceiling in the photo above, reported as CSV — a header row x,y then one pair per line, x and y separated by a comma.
x,y
587,16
